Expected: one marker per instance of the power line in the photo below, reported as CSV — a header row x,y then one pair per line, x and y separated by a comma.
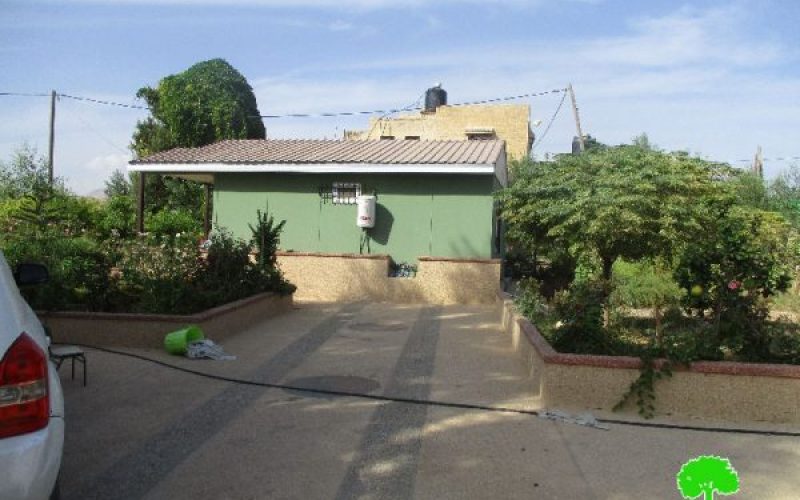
x,y
100,101
412,106
550,124
23,94
108,141
417,108
385,112
74,97
302,115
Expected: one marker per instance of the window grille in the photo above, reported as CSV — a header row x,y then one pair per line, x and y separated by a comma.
x,y
345,193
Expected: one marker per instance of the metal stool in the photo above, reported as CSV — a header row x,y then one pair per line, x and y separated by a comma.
x,y
59,353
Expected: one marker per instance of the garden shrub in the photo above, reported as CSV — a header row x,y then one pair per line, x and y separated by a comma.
x,y
98,263
532,303
645,284
156,274
78,271
744,258
553,271
160,274
173,221
8,221
227,273
118,219
580,312
77,215
266,238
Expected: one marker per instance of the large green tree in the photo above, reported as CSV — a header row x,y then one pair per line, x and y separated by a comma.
x,y
25,174
626,202
208,102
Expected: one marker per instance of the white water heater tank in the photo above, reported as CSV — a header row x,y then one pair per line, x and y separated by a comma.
x,y
366,211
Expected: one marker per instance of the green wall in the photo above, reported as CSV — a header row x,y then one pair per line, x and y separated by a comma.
x,y
437,215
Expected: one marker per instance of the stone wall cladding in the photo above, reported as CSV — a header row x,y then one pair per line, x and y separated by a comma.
x,y
350,278
148,330
458,281
736,392
335,277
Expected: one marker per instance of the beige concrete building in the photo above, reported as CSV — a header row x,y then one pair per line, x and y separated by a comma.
x,y
510,123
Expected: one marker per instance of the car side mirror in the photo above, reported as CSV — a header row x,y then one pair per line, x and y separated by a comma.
x,y
31,274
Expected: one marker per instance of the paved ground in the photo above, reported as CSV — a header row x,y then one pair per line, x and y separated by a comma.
x,y
141,430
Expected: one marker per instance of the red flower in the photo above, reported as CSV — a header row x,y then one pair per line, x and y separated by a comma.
x,y
734,285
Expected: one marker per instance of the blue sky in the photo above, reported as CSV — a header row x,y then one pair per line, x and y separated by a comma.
x,y
714,78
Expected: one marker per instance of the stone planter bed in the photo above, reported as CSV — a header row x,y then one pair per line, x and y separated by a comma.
x,y
736,392
148,330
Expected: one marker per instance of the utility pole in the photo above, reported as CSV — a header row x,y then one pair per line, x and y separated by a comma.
x,y
52,136
758,163
577,117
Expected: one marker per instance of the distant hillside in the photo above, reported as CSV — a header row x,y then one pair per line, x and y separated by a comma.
x,y
98,194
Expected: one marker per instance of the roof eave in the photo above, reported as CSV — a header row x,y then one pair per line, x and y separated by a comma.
x,y
314,168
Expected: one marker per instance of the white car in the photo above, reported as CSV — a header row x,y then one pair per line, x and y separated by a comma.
x,y
31,401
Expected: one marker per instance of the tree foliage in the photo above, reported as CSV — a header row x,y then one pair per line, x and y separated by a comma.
x,y
681,229
31,206
745,257
784,195
118,184
646,284
26,174
169,222
208,102
623,201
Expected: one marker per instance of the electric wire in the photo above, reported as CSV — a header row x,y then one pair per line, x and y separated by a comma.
x,y
385,112
101,101
550,124
302,115
392,111
410,107
428,402
102,136
23,94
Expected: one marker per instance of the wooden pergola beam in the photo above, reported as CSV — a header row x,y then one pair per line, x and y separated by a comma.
x,y
207,211
140,204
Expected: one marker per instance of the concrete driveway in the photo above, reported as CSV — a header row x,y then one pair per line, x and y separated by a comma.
x,y
140,430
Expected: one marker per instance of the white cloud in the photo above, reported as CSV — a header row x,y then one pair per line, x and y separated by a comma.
x,y
107,164
688,36
340,25
328,4
693,80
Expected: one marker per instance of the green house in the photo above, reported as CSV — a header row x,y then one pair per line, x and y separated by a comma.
x,y
433,198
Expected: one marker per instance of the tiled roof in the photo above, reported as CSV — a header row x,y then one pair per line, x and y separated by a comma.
x,y
399,151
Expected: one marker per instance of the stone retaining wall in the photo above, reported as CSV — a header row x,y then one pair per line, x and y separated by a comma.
x,y
148,330
353,277
737,392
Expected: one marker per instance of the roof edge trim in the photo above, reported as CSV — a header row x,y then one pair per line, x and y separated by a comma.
x,y
316,168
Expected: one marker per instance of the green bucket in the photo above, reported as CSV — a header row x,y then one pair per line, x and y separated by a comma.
x,y
176,342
